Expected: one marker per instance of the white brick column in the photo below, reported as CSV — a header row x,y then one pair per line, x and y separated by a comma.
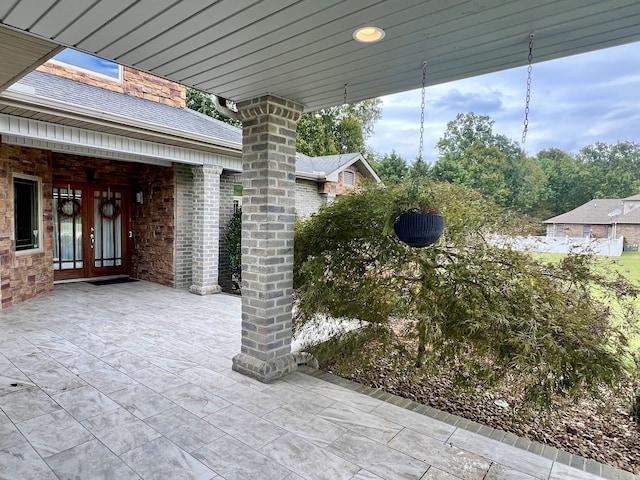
x,y
268,214
206,229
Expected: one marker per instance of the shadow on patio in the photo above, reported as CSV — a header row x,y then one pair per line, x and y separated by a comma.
x,y
134,381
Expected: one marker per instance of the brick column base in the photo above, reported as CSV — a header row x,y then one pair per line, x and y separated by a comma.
x,y
268,214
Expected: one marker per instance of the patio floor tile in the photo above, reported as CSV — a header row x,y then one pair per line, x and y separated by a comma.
x,y
377,458
141,401
453,460
197,400
233,460
26,404
366,424
308,460
21,461
119,430
185,429
250,429
54,432
56,380
160,459
85,402
90,460
134,381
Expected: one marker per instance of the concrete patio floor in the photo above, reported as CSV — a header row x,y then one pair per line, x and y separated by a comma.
x,y
134,381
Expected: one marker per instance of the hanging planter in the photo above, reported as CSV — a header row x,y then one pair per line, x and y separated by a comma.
x,y
419,229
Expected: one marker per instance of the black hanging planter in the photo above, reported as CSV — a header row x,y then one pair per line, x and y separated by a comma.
x,y
419,229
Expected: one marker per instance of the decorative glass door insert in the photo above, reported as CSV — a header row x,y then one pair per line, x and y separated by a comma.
x,y
89,224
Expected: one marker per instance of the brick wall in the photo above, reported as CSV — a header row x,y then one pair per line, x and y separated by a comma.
x,y
631,233
338,188
153,225
308,198
133,82
184,226
28,274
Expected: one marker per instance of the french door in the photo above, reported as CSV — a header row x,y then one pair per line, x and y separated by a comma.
x,y
89,231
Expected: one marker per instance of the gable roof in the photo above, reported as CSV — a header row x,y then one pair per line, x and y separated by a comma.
x,y
62,89
598,212
327,167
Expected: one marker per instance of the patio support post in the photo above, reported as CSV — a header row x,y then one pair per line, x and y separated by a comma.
x,y
268,214
206,218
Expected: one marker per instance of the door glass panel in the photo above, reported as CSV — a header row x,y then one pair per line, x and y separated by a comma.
x,y
107,206
67,228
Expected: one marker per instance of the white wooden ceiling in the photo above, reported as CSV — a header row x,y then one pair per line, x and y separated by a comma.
x,y
303,49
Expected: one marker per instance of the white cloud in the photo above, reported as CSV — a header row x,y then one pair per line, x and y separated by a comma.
x,y
575,102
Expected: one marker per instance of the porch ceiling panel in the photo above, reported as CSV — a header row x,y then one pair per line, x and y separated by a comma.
x,y
20,53
303,49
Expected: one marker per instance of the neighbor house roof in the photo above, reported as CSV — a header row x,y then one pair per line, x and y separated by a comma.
x,y
603,211
327,168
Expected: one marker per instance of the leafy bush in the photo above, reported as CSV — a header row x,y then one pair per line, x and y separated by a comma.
x,y
491,312
234,244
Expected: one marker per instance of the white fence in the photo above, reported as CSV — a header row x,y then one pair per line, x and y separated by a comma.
x,y
608,247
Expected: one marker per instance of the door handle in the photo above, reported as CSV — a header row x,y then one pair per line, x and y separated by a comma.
x,y
93,239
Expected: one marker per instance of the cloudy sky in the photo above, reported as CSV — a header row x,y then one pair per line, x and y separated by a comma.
x,y
575,102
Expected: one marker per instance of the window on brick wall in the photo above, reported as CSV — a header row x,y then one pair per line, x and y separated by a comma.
x,y
586,231
89,63
27,212
348,178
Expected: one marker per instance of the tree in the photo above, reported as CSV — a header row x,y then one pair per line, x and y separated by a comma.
x,y
566,187
491,313
614,170
340,129
391,168
471,154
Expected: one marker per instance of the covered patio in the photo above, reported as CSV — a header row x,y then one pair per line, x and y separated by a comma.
x,y
135,380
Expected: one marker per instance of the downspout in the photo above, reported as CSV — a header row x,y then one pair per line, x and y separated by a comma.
x,y
221,105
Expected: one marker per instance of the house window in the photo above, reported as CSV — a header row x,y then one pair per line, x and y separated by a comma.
x,y
348,178
89,63
237,196
27,213
559,230
586,231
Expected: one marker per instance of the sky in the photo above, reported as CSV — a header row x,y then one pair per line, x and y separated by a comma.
x,y
575,101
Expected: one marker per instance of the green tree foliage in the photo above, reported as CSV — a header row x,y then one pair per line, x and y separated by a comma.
x,y
614,170
202,102
491,313
471,154
392,168
341,129
234,243
566,187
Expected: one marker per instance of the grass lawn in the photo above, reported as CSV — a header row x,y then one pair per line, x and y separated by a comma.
x,y
627,265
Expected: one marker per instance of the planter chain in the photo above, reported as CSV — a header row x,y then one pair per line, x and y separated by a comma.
x,y
528,97
424,83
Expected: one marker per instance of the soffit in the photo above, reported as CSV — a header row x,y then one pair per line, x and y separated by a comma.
x,y
303,50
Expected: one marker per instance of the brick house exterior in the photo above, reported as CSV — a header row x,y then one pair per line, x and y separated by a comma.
x,y
600,219
93,146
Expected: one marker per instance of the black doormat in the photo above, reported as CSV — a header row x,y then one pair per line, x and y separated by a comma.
x,y
112,281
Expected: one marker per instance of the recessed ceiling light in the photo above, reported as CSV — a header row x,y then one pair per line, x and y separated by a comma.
x,y
368,34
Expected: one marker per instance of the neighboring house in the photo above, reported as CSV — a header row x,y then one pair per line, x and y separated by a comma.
x,y
600,219
320,179
104,176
